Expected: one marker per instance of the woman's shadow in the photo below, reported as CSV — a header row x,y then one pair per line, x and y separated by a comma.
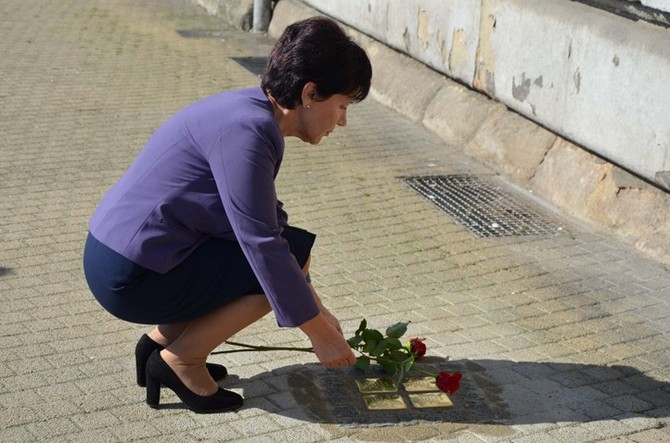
x,y
492,391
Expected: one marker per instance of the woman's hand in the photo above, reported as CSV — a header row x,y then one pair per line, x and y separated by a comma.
x,y
332,320
329,344
326,313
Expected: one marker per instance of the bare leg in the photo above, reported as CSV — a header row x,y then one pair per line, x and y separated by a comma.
x,y
187,354
166,334
188,344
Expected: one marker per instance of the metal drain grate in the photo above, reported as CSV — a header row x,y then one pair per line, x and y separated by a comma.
x,y
483,207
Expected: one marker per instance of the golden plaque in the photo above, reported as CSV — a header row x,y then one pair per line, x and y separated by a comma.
x,y
430,400
384,401
420,384
372,385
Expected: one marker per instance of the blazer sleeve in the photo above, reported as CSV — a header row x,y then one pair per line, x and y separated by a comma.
x,y
243,164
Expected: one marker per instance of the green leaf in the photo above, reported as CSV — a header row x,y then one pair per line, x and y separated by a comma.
x,y
390,369
369,346
397,330
355,341
385,360
387,364
361,327
380,348
362,362
400,355
372,334
394,343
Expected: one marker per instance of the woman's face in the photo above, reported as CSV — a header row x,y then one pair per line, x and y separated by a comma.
x,y
321,117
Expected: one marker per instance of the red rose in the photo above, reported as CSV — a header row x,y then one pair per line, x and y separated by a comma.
x,y
447,382
417,347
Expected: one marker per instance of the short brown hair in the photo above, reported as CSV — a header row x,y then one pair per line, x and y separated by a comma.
x,y
316,50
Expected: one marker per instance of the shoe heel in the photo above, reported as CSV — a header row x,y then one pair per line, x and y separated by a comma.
x,y
153,392
158,371
141,372
146,346
143,350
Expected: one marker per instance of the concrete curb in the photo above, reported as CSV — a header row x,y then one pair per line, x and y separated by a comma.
x,y
564,174
238,13
560,337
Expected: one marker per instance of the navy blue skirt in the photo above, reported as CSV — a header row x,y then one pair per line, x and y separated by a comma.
x,y
216,273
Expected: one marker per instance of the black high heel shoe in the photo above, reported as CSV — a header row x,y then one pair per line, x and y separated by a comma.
x,y
158,372
146,346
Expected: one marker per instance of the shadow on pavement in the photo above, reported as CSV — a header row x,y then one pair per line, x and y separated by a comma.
x,y
492,391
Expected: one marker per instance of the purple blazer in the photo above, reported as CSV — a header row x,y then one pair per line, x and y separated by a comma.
x,y
209,171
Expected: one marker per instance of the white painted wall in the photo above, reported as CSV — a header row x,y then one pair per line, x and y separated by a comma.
x,y
598,79
661,5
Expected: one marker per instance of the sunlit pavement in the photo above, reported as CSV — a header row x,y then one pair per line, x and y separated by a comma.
x,y
560,336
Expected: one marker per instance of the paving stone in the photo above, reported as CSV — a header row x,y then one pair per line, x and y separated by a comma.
x,y
651,435
563,338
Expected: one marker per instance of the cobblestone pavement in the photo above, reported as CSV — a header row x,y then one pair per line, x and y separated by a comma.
x,y
561,337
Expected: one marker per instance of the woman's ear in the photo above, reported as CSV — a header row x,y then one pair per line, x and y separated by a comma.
x,y
309,94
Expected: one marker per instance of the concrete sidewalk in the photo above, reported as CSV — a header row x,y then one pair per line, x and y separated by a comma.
x,y
561,337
